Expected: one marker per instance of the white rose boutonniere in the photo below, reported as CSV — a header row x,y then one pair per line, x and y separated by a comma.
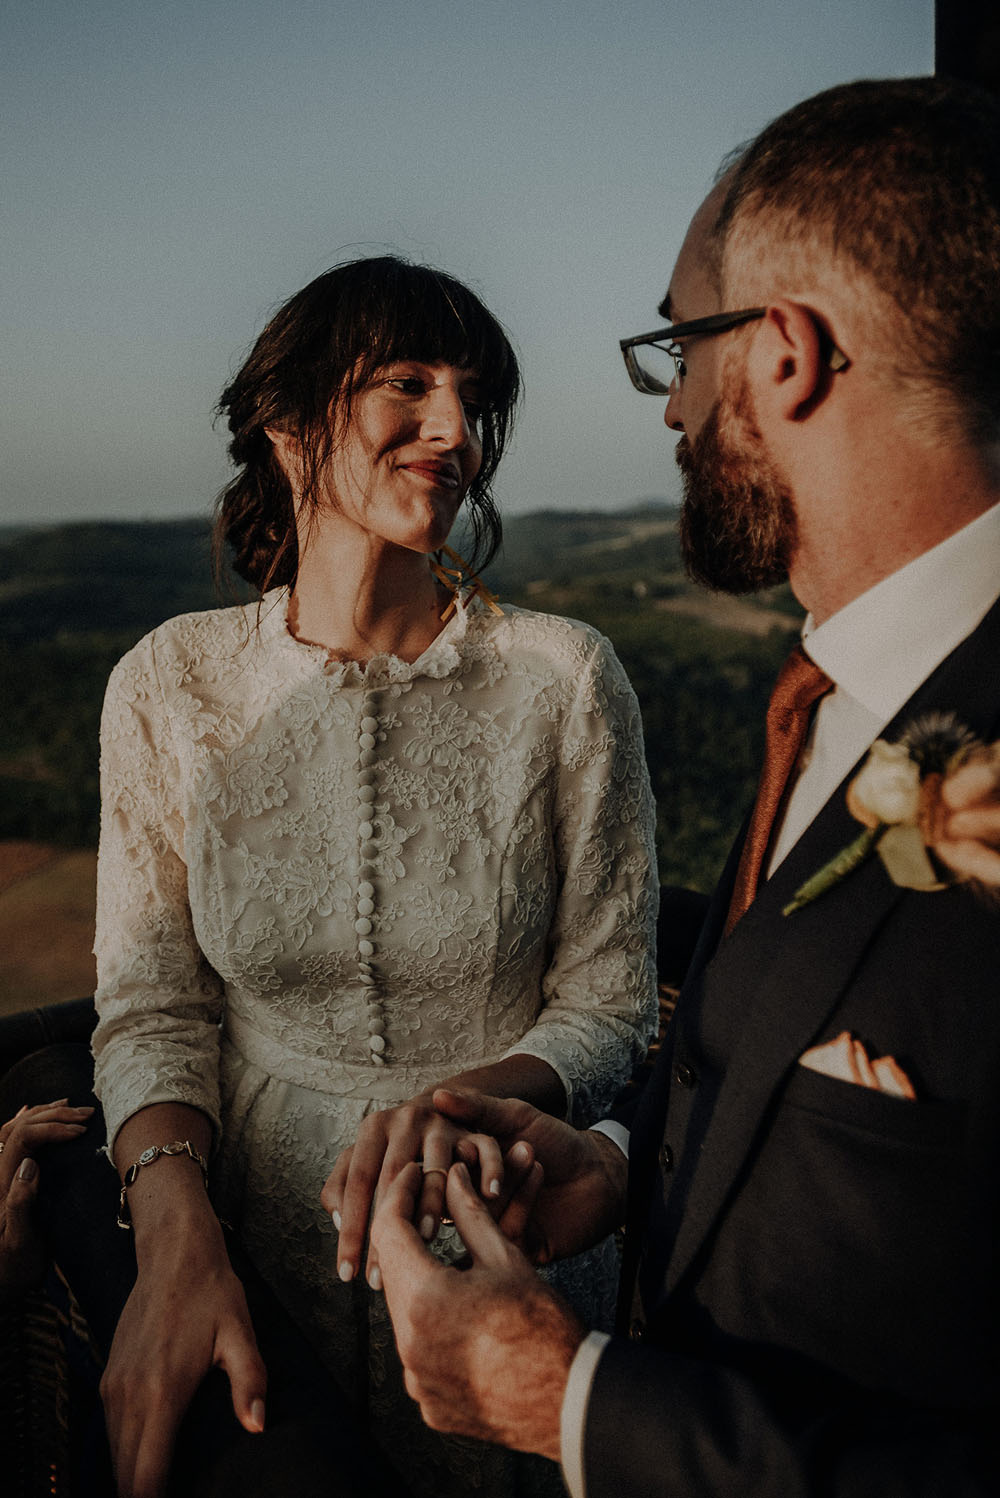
x,y
930,808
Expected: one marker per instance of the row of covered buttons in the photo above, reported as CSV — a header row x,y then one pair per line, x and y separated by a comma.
x,y
365,907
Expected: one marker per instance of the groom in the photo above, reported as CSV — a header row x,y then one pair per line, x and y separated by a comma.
x,y
811,1190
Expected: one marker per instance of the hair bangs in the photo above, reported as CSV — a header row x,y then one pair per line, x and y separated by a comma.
x,y
416,312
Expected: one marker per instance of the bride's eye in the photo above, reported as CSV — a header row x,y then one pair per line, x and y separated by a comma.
x,y
406,384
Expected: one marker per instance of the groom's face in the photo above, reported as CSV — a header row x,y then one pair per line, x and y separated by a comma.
x,y
738,527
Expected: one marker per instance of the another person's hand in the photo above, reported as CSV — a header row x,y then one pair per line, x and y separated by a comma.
x,y
187,1313
387,1141
966,834
583,1190
486,1350
22,1254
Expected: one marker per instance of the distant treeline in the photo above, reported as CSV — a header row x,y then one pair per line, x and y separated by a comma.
x,y
74,598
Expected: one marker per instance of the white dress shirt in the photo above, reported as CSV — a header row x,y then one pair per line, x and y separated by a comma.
x,y
876,650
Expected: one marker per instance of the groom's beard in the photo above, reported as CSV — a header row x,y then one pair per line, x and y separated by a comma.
x,y
738,529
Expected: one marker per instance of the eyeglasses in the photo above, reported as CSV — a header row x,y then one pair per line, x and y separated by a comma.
x,y
655,362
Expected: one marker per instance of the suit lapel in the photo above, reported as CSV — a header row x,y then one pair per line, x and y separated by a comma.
x,y
787,973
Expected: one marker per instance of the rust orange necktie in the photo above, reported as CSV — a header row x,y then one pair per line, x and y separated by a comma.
x,y
799,687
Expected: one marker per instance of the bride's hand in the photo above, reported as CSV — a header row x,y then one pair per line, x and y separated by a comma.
x,y
22,1256
386,1142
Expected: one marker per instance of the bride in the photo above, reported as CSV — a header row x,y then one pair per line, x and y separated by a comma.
x,y
367,835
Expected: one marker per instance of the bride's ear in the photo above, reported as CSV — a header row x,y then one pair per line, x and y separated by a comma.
x,y
288,452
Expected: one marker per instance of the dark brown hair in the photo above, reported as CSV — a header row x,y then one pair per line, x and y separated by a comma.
x,y
318,351
900,180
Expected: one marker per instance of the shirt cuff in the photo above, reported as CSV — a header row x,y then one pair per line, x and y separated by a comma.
x,y
616,1132
574,1410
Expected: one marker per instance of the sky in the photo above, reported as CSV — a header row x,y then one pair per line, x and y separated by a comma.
x,y
176,168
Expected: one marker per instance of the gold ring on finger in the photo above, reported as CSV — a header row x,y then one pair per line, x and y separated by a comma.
x,y
435,1170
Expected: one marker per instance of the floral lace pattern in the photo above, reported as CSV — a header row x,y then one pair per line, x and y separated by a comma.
x,y
321,888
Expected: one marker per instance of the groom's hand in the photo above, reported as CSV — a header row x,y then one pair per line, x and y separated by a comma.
x,y
582,1194
486,1350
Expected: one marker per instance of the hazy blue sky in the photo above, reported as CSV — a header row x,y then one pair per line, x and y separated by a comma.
x,y
175,170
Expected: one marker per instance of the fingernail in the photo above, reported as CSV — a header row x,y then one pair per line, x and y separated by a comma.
x,y
335,1215
520,1154
257,1414
427,1228
375,1278
27,1170
494,1188
346,1271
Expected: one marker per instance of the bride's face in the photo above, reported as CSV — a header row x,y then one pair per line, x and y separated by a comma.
x,y
411,449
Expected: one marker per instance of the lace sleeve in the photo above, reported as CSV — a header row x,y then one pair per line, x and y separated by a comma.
x,y
158,1000
599,991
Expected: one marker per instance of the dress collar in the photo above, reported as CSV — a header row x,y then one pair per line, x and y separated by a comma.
x,y
443,656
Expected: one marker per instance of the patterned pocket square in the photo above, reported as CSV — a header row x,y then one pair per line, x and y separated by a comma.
x,y
847,1060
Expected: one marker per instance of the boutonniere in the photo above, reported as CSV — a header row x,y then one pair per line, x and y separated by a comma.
x,y
929,805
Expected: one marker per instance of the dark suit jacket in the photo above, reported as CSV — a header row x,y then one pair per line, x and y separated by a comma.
x,y
816,1265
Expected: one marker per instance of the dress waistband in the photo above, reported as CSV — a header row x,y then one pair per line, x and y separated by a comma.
x,y
388,1084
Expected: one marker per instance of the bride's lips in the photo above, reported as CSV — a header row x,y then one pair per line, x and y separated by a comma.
x,y
444,475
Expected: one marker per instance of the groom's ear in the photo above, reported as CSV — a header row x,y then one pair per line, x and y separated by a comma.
x,y
789,362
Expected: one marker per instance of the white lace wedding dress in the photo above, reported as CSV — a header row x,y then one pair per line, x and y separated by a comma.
x,y
323,888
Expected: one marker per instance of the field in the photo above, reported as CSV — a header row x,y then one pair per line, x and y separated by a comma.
x,y
46,924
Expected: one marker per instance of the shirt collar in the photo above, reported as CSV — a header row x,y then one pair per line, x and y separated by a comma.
x,y
884,643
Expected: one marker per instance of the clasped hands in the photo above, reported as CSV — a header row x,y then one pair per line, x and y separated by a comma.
x,y
387,1142
486,1348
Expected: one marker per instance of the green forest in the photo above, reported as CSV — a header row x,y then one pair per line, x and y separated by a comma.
x,y
73,598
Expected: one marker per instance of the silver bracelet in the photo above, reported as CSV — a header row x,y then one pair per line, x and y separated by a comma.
x,y
176,1147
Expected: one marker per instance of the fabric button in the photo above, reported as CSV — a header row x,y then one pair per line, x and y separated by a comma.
x,y
685,1075
666,1158
366,889
376,1044
367,741
363,926
377,1060
366,980
376,1025
366,828
366,949
369,725
367,758
366,793
366,907
369,851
